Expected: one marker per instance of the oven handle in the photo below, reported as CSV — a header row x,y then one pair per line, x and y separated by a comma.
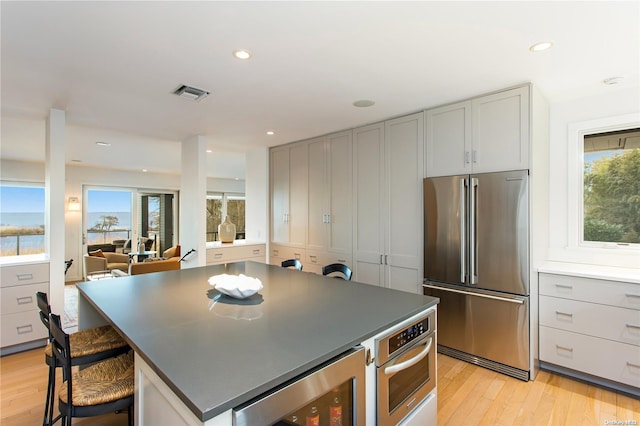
x,y
410,362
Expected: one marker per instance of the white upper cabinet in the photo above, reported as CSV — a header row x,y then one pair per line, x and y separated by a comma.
x,y
448,143
289,194
330,193
486,134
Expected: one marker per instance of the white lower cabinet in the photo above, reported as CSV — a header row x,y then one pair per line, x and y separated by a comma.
x,y
591,326
21,327
236,253
279,253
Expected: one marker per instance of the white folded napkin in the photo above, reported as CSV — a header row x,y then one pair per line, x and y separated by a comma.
x,y
238,286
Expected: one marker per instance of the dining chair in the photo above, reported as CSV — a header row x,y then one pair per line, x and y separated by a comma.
x,y
295,263
104,387
337,267
87,346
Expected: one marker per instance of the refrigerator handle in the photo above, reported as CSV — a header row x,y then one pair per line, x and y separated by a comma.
x,y
463,227
473,277
517,301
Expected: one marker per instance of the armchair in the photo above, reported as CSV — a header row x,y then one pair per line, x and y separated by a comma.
x,y
104,261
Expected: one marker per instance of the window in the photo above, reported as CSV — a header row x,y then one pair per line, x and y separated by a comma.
x,y
22,211
611,187
220,205
108,216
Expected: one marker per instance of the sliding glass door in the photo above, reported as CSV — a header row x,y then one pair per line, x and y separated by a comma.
x,y
120,218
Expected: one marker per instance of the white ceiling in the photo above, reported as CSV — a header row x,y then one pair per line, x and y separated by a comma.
x,y
112,66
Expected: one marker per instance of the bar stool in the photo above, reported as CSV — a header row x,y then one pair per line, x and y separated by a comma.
x,y
337,267
295,263
104,387
87,346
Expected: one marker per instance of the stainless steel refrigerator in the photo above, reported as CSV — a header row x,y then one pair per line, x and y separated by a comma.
x,y
476,260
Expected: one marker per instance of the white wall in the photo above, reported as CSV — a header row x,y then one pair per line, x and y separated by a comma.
x,y
618,102
257,193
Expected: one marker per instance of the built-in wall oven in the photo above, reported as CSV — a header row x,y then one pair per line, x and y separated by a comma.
x,y
332,394
405,358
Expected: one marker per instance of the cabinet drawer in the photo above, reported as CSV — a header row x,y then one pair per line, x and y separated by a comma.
x,y
24,274
21,327
613,293
316,260
21,298
286,252
603,358
608,322
234,254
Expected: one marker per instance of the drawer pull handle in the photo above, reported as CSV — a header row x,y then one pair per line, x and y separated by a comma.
x,y
630,364
217,255
24,329
296,255
342,260
637,327
568,287
632,295
256,251
313,258
26,300
564,348
275,252
24,277
564,314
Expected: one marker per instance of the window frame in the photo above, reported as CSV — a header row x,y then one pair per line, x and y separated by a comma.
x,y
575,168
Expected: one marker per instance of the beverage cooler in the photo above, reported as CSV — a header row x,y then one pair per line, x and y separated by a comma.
x,y
330,395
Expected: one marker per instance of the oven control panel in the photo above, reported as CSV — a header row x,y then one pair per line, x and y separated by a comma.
x,y
408,335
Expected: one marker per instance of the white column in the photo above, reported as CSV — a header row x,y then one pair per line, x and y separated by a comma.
x,y
257,195
193,201
55,202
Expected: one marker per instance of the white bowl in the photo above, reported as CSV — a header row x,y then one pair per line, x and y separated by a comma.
x,y
238,286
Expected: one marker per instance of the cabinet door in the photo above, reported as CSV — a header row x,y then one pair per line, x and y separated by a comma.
x,y
339,177
298,194
369,215
279,195
448,140
318,200
501,131
404,141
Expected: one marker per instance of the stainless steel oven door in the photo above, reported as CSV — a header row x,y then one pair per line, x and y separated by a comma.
x,y
406,380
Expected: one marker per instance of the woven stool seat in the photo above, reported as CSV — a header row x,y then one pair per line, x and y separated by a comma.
x,y
92,341
101,383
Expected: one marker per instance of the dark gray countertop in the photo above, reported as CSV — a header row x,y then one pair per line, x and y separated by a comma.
x,y
216,356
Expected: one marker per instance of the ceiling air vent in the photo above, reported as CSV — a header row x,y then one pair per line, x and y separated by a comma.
x,y
191,93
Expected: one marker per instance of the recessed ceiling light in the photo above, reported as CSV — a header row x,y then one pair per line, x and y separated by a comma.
x,y
612,80
103,143
242,54
144,170
541,46
209,151
271,133
363,103
236,178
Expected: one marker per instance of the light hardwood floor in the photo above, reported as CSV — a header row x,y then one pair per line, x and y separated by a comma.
x,y
467,395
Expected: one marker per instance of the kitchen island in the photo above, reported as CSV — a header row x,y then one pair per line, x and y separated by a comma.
x,y
215,354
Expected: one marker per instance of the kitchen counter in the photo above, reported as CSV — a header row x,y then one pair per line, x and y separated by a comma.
x,y
216,356
610,273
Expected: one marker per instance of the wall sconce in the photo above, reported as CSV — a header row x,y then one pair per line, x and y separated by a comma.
x,y
73,205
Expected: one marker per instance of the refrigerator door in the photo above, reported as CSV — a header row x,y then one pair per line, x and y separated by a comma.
x,y
499,237
445,229
479,323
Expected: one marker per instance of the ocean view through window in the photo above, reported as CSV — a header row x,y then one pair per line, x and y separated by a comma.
x,y
22,211
108,216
